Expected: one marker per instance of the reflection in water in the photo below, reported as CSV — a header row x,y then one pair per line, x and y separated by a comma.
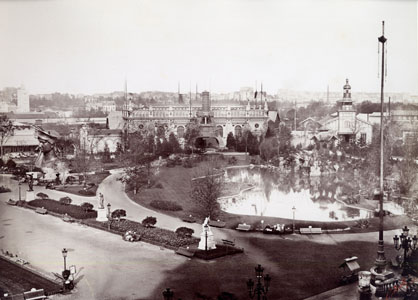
x,y
274,195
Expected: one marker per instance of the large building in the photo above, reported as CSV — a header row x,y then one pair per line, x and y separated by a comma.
x,y
22,100
215,121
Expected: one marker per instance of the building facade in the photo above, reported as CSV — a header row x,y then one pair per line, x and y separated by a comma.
x,y
215,121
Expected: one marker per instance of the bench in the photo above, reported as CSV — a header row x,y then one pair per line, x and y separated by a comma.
x,y
34,294
185,252
11,202
310,230
41,210
68,219
228,243
189,219
218,224
243,227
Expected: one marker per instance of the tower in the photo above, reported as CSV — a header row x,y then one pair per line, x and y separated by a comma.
x,y
22,100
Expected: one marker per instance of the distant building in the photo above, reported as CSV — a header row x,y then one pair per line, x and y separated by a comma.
x,y
95,140
22,139
22,101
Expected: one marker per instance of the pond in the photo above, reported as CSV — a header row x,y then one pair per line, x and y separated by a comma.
x,y
272,194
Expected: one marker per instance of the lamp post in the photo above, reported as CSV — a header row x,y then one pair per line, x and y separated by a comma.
x,y
109,216
64,255
260,290
19,184
294,210
168,294
406,244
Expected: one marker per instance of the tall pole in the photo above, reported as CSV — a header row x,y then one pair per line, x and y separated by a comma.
x,y
381,260
295,115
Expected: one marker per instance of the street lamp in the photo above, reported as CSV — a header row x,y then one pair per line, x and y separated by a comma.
x,y
19,184
109,216
260,290
168,294
406,243
294,210
64,255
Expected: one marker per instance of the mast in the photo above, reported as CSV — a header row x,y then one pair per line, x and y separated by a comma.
x,y
190,101
381,260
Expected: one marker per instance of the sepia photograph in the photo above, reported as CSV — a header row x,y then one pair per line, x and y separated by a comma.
x,y
209,150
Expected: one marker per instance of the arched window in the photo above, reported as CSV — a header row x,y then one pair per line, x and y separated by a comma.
x,y
238,131
180,132
219,131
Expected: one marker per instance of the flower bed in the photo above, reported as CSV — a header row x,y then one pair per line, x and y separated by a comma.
x,y
166,205
74,211
221,250
155,235
4,189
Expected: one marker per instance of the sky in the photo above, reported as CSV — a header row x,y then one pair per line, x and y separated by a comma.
x,y
91,46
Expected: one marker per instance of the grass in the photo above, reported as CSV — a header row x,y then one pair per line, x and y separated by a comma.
x,y
16,280
299,269
78,189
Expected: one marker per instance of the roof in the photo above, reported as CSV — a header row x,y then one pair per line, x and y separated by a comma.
x,y
104,131
18,116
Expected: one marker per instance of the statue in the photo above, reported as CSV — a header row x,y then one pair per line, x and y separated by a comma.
x,y
30,183
46,149
101,199
206,237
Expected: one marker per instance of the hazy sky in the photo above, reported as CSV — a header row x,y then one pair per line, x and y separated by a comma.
x,y
90,46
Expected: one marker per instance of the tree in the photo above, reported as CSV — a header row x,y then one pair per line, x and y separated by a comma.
x,y
106,154
174,143
149,222
87,206
231,143
206,189
252,143
269,148
184,232
10,164
118,214
192,132
285,138
6,130
66,200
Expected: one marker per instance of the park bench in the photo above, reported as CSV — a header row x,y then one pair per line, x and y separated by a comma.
x,y
218,224
310,230
11,202
185,252
68,219
41,210
243,227
228,243
189,219
34,294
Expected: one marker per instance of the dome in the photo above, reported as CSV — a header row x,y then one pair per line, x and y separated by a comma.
x,y
347,86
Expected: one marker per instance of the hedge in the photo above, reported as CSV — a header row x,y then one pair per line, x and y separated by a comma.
x,y
74,211
4,189
166,205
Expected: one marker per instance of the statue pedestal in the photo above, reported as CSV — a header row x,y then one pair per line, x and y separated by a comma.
x,y
206,239
101,215
30,195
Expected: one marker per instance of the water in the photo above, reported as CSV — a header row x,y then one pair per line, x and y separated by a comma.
x,y
273,194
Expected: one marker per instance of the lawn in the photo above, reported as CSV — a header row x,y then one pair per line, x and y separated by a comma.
x,y
78,189
299,269
16,280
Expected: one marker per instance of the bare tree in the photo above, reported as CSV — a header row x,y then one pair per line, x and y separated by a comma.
x,y
6,130
206,189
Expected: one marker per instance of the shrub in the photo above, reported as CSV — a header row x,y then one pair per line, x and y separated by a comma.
x,y
66,200
187,163
232,160
4,189
87,193
42,195
166,205
171,163
87,206
149,221
74,211
118,213
184,232
158,186
11,164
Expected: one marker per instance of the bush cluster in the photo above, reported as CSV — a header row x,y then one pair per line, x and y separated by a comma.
x,y
4,189
166,205
87,193
74,211
158,235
